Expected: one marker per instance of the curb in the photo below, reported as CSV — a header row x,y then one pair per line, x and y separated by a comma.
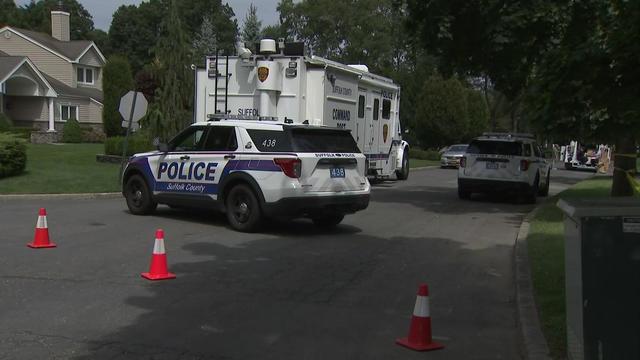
x,y
535,345
113,195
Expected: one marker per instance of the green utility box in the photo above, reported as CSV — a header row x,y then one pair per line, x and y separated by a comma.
x,y
602,278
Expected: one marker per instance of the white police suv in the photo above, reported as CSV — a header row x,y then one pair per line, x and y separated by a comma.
x,y
503,162
251,170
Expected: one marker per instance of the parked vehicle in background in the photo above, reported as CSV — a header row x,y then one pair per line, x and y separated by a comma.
x,y
504,162
577,156
451,157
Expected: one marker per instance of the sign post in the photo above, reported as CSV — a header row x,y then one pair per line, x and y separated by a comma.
x,y
133,107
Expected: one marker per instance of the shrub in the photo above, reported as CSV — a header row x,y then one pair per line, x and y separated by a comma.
x,y
72,132
424,154
21,132
13,155
91,135
5,123
137,144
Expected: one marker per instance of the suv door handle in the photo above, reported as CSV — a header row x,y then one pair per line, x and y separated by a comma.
x,y
229,157
185,157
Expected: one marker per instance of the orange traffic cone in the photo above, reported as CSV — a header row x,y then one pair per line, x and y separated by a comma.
x,y
158,269
41,238
420,331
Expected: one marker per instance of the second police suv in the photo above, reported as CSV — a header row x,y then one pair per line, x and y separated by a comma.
x,y
252,169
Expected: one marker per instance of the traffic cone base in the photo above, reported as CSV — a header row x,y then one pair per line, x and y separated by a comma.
x,y
419,347
151,276
41,238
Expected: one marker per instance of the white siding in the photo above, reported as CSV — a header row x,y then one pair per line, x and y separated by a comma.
x,y
44,60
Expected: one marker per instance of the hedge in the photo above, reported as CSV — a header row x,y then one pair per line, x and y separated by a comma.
x,y
72,132
13,155
424,154
5,123
137,144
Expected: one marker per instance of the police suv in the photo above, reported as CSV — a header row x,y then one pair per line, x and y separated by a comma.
x,y
503,162
252,169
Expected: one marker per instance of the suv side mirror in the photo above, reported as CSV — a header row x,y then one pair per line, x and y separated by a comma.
x,y
162,147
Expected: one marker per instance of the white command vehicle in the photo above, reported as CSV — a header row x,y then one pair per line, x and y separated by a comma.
x,y
252,170
502,162
580,156
280,81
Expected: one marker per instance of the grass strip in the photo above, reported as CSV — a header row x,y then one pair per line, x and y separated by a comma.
x,y
63,168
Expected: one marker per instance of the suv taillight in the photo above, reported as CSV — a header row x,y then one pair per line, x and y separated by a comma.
x,y
524,165
290,166
463,162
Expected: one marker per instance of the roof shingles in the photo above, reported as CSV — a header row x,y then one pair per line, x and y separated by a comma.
x,y
71,49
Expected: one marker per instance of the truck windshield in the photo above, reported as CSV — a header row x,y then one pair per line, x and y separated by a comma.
x,y
495,147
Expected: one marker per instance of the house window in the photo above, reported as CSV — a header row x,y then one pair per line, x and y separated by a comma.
x,y
68,112
85,75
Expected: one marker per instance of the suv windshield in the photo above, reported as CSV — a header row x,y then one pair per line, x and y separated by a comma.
x,y
495,147
304,140
457,148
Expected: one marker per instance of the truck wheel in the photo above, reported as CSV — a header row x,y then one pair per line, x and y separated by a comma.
x,y
327,220
403,173
139,199
243,209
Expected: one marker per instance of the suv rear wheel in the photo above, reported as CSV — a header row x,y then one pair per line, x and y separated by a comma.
x,y
532,195
243,209
544,191
139,198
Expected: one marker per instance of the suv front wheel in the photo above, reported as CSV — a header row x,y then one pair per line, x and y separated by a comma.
x,y
139,198
243,209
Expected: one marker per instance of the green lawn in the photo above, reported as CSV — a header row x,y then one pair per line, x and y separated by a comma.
x,y
63,168
546,253
414,163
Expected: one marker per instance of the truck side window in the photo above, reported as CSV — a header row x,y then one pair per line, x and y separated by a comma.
x,y
376,109
386,109
361,106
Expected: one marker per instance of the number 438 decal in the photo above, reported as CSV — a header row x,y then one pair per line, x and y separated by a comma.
x,y
269,143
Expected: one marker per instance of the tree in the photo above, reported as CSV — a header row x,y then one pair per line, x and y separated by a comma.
x,y
273,32
205,42
101,39
171,110
586,87
9,13
252,29
116,81
441,115
478,114
37,16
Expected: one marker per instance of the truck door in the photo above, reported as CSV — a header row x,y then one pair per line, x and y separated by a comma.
x,y
375,124
361,123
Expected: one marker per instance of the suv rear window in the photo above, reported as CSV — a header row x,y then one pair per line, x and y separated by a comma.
x,y
494,147
304,140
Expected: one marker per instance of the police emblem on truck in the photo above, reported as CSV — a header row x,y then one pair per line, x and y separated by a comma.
x,y
263,73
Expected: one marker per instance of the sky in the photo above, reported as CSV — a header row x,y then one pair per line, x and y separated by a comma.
x,y
102,10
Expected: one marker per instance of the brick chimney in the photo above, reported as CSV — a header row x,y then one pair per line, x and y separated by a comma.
x,y
60,23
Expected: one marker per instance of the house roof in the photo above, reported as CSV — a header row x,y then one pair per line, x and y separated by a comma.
x,y
8,64
80,92
72,50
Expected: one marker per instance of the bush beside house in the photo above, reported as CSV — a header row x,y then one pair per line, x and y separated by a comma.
x,y
72,132
13,155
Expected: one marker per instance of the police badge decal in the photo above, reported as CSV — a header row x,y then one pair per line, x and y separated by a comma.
x,y
263,73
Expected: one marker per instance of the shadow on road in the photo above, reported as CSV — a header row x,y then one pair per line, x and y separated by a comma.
x,y
319,298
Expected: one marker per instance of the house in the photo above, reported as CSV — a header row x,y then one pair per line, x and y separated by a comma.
x,y
46,80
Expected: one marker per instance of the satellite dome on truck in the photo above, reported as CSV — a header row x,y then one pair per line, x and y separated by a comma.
x,y
279,81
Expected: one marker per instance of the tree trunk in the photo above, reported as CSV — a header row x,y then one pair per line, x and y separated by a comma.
x,y
624,161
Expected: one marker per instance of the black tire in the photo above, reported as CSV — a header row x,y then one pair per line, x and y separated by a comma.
x,y
403,173
532,195
568,166
327,220
544,191
463,193
243,209
139,198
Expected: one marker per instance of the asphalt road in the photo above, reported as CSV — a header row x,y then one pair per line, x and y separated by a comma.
x,y
291,292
